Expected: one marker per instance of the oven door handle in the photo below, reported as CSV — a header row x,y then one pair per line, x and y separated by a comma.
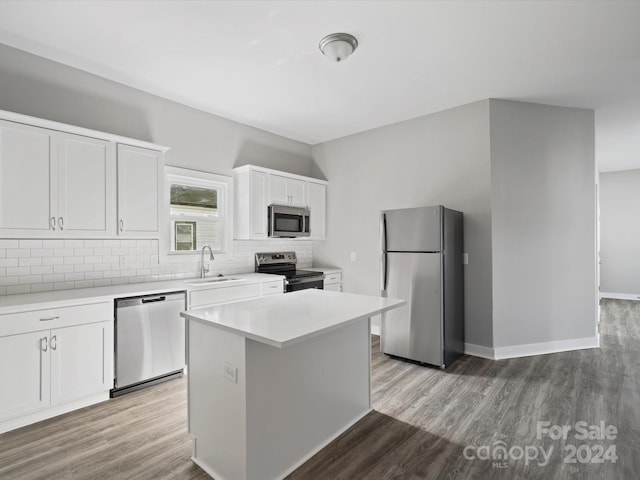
x,y
297,281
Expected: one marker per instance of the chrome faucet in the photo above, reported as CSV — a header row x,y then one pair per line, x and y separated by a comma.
x,y
204,270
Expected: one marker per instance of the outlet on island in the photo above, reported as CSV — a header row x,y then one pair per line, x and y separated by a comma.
x,y
231,372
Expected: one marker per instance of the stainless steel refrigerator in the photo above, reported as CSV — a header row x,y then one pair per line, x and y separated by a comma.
x,y
422,262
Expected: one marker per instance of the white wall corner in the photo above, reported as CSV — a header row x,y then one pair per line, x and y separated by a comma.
x,y
544,348
479,351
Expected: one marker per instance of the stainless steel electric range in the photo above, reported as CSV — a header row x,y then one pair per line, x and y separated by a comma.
x,y
284,263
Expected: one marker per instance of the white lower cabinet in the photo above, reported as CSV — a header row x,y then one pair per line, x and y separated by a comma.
x,y
333,281
80,359
47,372
24,374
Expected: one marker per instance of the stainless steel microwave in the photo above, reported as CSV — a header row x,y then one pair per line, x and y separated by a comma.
x,y
286,221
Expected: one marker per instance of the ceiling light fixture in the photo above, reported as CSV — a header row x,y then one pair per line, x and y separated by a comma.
x,y
338,46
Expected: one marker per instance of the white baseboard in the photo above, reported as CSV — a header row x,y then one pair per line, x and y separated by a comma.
x,y
479,351
543,348
620,296
530,349
375,329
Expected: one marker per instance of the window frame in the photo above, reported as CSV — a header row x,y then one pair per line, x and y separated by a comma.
x,y
185,176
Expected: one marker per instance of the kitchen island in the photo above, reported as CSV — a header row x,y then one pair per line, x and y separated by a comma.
x,y
275,379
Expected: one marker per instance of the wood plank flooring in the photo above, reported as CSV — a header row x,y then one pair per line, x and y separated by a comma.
x,y
423,420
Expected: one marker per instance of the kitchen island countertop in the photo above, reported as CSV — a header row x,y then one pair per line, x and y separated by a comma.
x,y
283,320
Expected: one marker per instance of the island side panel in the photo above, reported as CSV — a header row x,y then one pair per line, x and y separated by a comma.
x,y
217,406
301,397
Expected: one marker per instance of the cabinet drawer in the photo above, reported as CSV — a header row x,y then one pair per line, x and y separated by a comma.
x,y
271,288
46,319
332,278
211,296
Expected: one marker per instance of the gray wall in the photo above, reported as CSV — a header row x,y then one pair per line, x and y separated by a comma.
x,y
32,85
543,223
619,232
437,159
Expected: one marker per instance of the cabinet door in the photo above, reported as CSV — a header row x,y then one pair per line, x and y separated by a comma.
x,y
24,373
81,360
25,187
296,191
317,199
258,202
139,179
86,186
278,190
333,287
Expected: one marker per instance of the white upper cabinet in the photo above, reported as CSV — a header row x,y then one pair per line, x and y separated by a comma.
x,y
85,186
256,188
58,180
54,184
139,179
287,191
317,205
25,180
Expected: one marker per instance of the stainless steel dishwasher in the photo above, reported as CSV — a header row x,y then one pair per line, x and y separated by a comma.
x,y
149,340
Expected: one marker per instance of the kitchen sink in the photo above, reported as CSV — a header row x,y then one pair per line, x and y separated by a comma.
x,y
206,281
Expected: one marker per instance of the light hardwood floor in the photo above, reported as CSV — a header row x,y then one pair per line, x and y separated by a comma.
x,y
423,420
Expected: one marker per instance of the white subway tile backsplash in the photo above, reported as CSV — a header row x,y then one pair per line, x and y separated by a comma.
x,y
41,252
9,280
9,243
42,287
30,243
72,277
74,243
12,271
47,269
52,260
29,261
29,279
93,243
73,260
54,278
8,262
62,268
18,252
83,267
30,265
17,289
53,244
63,285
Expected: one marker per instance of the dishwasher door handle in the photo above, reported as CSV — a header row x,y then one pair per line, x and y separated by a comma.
x,y
154,299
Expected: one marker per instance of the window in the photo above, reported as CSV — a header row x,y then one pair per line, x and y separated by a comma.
x,y
198,211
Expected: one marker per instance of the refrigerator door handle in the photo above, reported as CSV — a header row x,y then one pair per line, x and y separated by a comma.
x,y
385,273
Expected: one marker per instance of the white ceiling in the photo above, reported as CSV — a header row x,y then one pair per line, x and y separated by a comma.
x,y
258,62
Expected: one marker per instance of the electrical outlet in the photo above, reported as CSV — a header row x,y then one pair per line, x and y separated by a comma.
x,y
123,261
465,259
231,372
353,256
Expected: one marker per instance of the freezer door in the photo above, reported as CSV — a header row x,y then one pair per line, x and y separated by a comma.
x,y
414,331
412,230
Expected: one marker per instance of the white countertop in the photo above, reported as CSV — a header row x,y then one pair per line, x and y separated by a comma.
x,y
282,320
43,300
323,269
